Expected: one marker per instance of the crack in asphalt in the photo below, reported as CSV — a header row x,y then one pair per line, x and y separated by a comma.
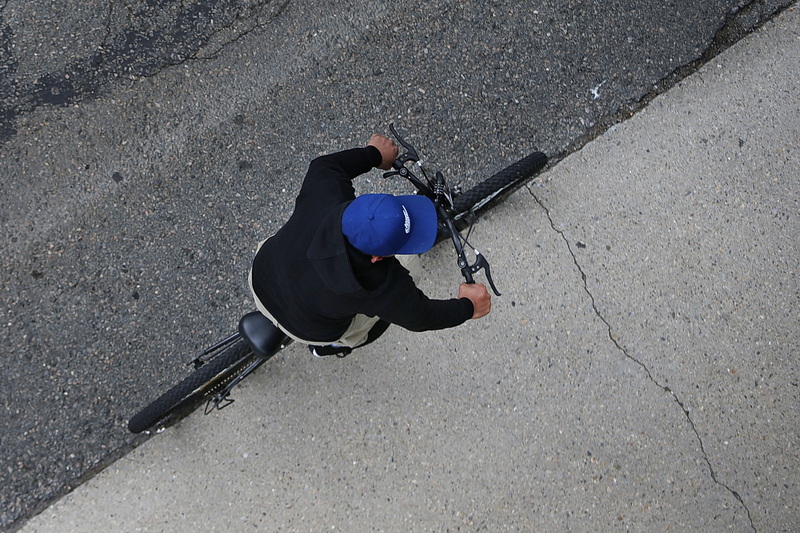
x,y
625,352
85,77
135,51
108,24
214,55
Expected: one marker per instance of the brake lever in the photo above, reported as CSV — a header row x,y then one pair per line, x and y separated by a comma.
x,y
482,263
410,152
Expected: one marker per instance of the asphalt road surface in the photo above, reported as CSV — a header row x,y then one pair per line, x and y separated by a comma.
x,y
146,147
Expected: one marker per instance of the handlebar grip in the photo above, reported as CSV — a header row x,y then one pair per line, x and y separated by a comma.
x,y
467,273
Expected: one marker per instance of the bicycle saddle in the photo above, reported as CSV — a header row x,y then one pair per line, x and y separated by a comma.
x,y
263,337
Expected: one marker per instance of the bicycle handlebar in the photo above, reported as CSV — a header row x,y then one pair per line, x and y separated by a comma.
x,y
438,191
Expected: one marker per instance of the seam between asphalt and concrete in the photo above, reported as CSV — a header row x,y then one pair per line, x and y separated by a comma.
x,y
738,25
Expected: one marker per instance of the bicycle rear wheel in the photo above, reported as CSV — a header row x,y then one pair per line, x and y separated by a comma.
x,y
478,196
200,384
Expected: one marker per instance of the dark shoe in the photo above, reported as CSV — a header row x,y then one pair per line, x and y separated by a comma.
x,y
326,351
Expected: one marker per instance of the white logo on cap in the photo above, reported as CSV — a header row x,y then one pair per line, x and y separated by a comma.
x,y
407,223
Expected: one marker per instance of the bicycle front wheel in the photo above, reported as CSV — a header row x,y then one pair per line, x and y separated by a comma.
x,y
485,191
200,384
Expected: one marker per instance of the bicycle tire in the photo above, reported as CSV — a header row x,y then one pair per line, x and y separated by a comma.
x,y
481,194
202,383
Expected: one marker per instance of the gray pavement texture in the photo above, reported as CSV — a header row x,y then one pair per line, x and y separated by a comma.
x,y
146,146
639,373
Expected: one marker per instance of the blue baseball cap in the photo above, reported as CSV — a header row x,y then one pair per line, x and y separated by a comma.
x,y
384,225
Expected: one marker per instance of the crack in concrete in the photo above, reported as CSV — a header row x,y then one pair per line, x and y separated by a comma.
x,y
625,352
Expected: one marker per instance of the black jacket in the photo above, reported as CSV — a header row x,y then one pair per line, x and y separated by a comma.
x,y
306,278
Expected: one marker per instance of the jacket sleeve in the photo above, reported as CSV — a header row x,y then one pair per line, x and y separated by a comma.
x,y
408,307
331,176
346,164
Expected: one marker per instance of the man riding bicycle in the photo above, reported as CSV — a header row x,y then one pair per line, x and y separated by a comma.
x,y
342,269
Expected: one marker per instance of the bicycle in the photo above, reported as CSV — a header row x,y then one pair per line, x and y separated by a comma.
x,y
220,368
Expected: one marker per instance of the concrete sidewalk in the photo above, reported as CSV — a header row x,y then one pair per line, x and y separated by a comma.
x,y
639,371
